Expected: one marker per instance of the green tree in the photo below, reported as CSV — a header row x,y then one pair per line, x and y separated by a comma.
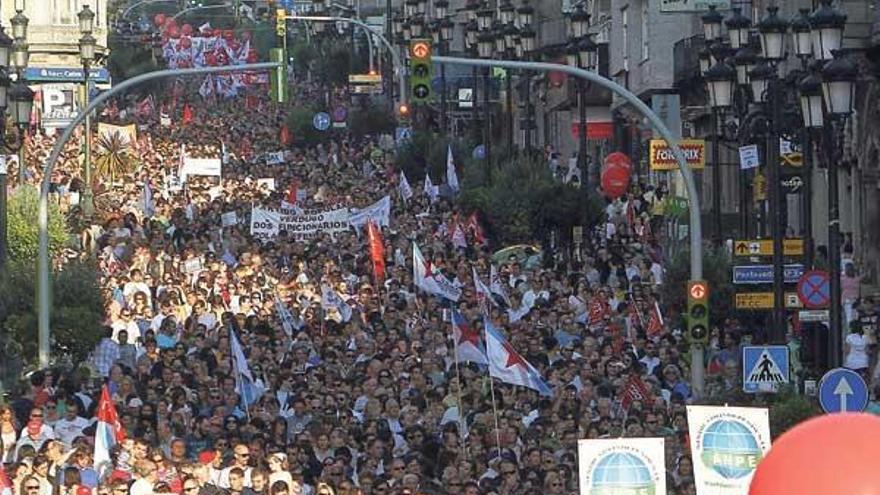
x,y
371,120
23,225
299,122
77,310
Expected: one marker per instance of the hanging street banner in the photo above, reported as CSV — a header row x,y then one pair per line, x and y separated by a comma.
x,y
661,157
622,465
727,443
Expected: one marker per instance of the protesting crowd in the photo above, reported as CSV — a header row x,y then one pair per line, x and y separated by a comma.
x,y
304,356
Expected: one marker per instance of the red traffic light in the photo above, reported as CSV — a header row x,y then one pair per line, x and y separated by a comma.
x,y
403,109
420,49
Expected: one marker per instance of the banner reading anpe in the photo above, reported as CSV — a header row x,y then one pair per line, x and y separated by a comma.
x,y
622,465
662,158
727,443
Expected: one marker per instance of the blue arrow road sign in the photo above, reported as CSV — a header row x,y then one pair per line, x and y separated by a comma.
x,y
402,134
321,121
765,368
763,274
843,390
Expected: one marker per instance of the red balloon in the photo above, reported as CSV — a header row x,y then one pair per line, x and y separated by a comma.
x,y
186,29
218,33
173,32
828,454
159,20
185,42
211,59
616,172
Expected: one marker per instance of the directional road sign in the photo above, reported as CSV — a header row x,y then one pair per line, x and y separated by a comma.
x,y
843,390
763,300
814,315
814,289
402,134
764,247
763,274
765,368
321,121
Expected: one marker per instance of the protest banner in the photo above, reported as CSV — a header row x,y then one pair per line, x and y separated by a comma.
x,y
379,212
128,133
229,219
275,158
200,166
266,223
727,443
622,465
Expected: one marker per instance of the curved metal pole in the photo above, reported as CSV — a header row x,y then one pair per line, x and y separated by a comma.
x,y
398,65
43,257
696,243
143,2
206,7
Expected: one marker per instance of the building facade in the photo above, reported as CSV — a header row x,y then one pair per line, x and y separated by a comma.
x,y
54,69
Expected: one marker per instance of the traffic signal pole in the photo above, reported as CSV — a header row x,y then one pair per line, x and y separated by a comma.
x,y
696,240
43,313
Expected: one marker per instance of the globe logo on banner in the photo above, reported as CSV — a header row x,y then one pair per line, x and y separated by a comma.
x,y
730,448
621,473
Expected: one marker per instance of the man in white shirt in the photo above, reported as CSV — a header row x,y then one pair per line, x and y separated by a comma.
x,y
71,425
147,476
242,455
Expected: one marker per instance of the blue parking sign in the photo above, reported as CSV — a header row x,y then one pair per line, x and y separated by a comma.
x,y
765,368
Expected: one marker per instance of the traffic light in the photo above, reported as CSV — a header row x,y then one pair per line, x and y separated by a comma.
x,y
403,111
281,22
698,312
420,70
278,76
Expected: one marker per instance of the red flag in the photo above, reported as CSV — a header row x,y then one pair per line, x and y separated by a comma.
x,y
284,136
473,226
292,191
5,484
655,321
377,250
635,390
596,312
187,114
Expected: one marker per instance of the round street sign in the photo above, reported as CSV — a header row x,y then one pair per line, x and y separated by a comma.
x,y
814,289
479,152
321,121
698,290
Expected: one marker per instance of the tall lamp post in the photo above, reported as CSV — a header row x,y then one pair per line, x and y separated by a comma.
x,y
527,37
485,45
87,45
5,47
581,52
20,55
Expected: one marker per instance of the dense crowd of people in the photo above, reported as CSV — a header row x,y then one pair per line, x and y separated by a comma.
x,y
373,403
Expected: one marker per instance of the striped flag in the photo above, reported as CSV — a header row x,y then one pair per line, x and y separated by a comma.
x,y
108,433
244,380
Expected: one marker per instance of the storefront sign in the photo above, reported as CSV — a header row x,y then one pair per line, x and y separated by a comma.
x,y
662,158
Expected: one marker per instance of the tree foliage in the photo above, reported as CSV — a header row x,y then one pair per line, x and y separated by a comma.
x,y
23,233
371,120
77,310
299,122
716,271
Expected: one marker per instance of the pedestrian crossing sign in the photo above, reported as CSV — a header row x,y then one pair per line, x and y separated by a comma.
x,y
765,368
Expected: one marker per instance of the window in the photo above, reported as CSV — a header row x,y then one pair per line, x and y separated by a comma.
x,y
624,19
645,41
64,12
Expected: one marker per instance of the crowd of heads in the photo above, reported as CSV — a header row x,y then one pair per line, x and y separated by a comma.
x,y
374,404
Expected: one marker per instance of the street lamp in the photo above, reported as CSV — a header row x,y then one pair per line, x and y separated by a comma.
x,y
800,33
773,29
760,78
719,81
580,22
19,25
810,88
827,25
21,100
712,24
507,12
838,85
441,8
525,14
484,18
737,28
744,60
87,44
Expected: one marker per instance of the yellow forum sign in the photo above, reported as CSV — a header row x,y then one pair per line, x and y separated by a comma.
x,y
662,158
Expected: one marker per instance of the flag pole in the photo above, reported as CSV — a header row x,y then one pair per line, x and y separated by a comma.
x,y
458,391
495,415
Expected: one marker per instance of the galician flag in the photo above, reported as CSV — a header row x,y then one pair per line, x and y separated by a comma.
x,y
108,433
484,295
403,186
430,189
244,380
468,342
508,366
451,176
429,280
